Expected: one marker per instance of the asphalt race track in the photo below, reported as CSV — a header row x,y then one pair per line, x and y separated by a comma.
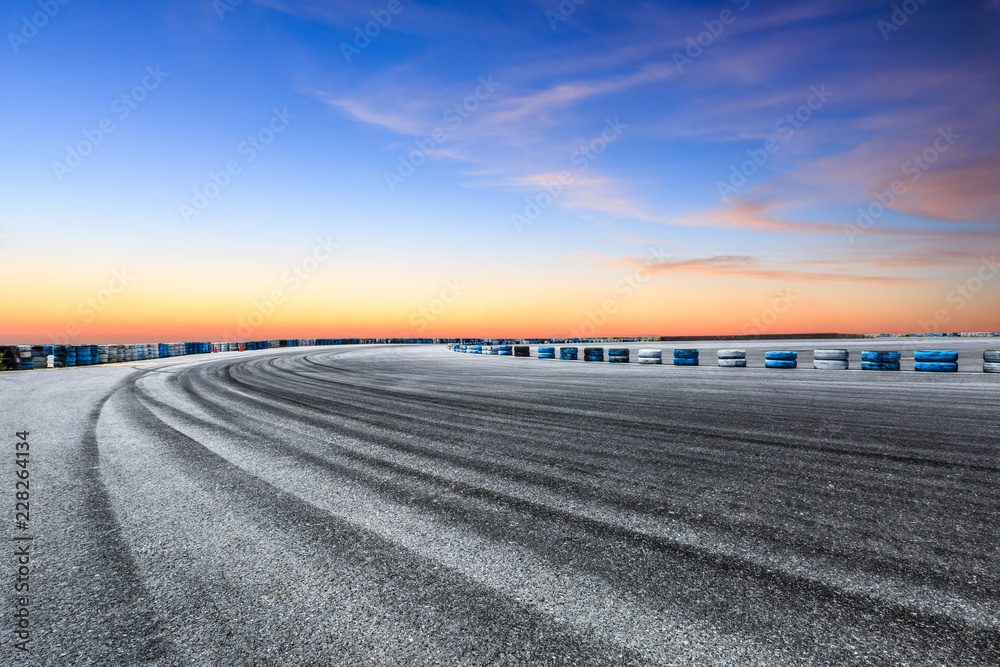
x,y
410,506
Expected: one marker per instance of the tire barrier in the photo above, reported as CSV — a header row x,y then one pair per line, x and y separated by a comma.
x,y
64,356
831,360
880,365
686,357
522,351
505,350
941,356
9,357
732,358
490,350
40,356
992,356
25,360
830,365
593,354
874,360
546,353
618,355
569,353
875,355
936,366
650,356
781,359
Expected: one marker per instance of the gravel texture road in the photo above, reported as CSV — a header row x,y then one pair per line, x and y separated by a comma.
x,y
415,506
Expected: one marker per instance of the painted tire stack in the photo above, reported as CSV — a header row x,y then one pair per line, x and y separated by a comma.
x,y
618,355
936,361
102,354
522,351
873,360
64,356
39,355
505,350
650,355
569,353
733,358
490,350
25,360
546,353
593,354
831,360
991,361
685,357
84,356
781,359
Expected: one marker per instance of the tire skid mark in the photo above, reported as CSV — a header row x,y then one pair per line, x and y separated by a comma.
x,y
780,536
413,575
130,616
780,580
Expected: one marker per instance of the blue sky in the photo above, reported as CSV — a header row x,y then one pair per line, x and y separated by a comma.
x,y
677,117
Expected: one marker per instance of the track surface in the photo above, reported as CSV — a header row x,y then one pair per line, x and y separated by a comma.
x,y
401,506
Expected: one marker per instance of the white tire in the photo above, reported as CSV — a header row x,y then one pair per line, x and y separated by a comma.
x,y
831,364
732,354
650,353
831,355
991,367
649,360
993,356
733,363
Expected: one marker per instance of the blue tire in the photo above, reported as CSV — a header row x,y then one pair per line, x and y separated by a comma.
x,y
685,354
546,355
781,355
682,361
618,360
936,355
780,363
936,366
880,365
875,355
594,357
546,350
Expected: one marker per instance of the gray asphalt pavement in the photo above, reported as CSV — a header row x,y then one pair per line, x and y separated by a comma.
x,y
414,506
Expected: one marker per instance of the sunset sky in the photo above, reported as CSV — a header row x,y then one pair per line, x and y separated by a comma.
x,y
266,169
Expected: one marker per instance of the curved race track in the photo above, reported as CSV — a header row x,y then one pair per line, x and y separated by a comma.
x,y
397,506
